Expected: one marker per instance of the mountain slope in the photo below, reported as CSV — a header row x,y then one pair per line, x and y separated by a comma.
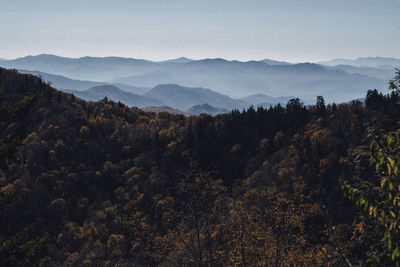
x,y
206,108
180,97
61,82
64,83
158,109
385,73
114,93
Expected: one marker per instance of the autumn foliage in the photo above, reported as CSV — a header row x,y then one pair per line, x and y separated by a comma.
x,y
103,184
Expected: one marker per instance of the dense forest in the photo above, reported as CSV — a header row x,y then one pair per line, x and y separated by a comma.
x,y
104,184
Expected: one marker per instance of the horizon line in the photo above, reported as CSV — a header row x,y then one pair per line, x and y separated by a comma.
x,y
194,58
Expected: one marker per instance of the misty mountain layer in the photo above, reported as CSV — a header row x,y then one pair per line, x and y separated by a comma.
x,y
235,79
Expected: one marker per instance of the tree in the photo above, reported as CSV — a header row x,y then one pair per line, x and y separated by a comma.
x,y
374,99
268,228
380,197
194,239
321,109
394,84
12,127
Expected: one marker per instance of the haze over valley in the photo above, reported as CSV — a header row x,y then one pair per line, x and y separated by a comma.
x,y
183,83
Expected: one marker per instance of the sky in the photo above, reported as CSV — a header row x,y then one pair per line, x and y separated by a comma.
x,y
295,31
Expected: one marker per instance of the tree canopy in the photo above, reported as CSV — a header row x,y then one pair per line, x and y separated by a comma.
x,y
101,183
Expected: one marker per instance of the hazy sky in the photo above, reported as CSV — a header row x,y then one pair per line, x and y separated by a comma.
x,y
296,30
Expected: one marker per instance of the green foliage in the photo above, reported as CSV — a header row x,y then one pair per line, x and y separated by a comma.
x,y
23,248
12,126
395,83
382,201
379,194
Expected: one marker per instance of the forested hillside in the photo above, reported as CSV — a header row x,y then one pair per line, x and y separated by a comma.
x,y
101,184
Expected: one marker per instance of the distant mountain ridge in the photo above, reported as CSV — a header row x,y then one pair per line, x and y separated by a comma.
x,y
206,108
84,68
235,79
170,97
364,62
183,98
167,97
158,109
64,83
275,62
114,93
385,73
178,60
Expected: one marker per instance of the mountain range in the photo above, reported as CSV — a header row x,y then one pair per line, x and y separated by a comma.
x,y
240,79
174,96
382,62
181,99
232,84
